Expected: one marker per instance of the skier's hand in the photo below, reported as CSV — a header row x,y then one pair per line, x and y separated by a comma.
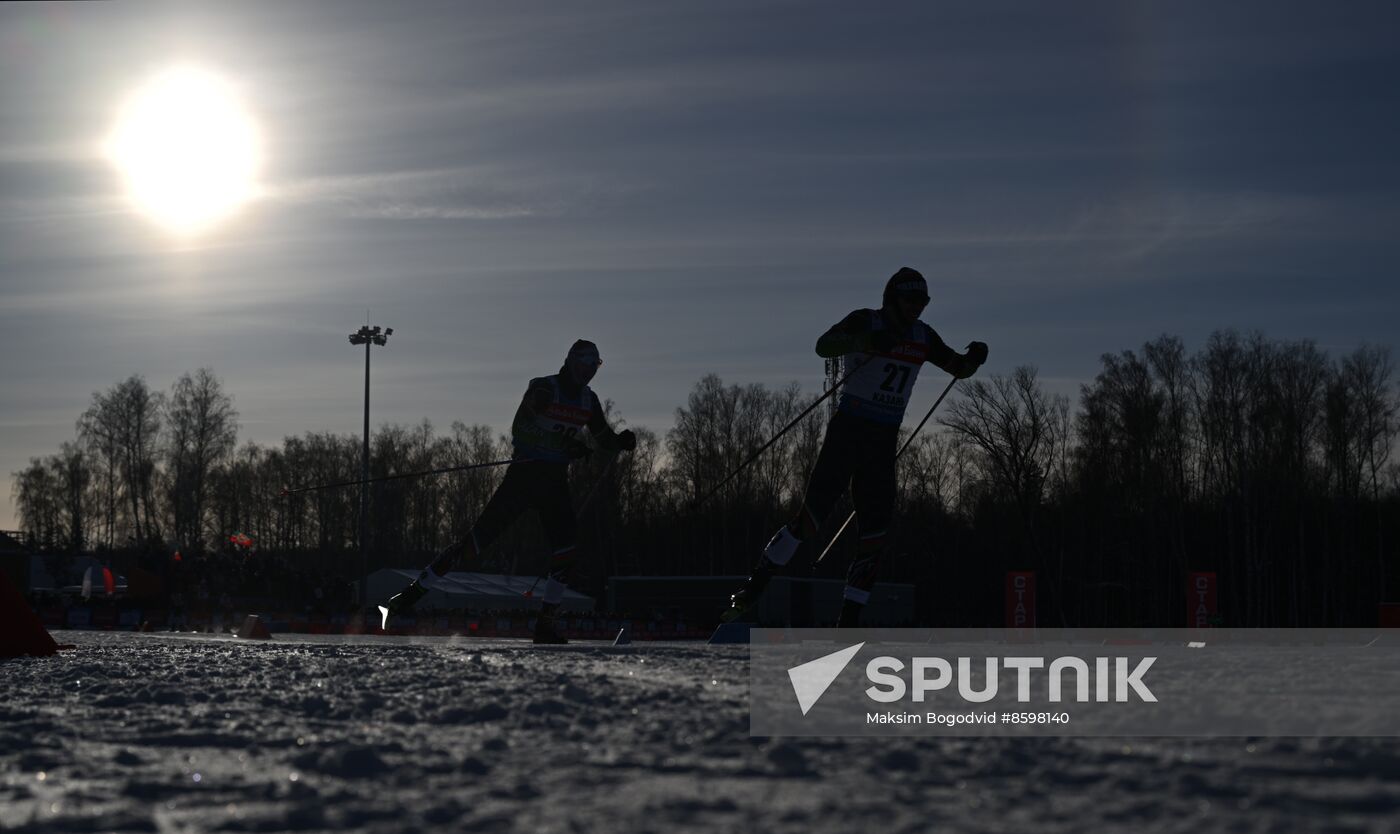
x,y
577,449
973,359
624,441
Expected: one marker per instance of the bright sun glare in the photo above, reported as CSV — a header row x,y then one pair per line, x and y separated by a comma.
x,y
187,149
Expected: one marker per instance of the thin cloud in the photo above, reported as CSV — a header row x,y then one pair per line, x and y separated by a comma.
x,y
409,211
66,208
46,152
1156,223
465,193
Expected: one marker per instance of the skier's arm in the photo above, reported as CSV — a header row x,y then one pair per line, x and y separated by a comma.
x,y
960,365
603,433
852,334
524,427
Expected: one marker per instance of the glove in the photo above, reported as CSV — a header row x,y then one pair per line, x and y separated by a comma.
x,y
577,449
969,362
622,441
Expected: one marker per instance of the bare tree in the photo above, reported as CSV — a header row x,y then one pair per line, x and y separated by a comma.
x,y
466,493
122,426
1019,430
203,430
1021,434
928,472
98,430
140,426
1366,374
37,497
72,473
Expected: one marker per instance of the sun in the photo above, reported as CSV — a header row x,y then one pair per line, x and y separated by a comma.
x,y
187,149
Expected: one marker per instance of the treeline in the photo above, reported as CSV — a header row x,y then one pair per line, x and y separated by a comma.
x,y
1266,462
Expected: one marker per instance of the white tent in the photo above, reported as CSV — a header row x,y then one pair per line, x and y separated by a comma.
x,y
461,589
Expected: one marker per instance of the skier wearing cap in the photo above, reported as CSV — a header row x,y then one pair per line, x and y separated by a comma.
x,y
882,351
546,436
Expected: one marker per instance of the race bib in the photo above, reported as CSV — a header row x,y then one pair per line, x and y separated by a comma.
x,y
880,386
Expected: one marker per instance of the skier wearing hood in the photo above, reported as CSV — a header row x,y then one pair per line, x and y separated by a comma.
x,y
546,434
882,351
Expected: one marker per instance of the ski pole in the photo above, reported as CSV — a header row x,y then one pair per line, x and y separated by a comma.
x,y
912,435
694,505
593,490
289,491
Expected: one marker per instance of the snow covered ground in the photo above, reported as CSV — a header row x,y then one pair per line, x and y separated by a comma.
x,y
150,732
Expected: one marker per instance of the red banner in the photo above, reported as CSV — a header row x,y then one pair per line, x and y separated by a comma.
x,y
1201,592
1390,614
1020,599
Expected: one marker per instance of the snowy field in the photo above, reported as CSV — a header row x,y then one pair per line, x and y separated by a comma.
x,y
149,732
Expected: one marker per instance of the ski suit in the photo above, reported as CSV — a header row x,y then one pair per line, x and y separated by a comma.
x,y
862,437
545,435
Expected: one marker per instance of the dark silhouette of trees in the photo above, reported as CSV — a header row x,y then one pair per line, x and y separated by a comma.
x,y
202,433
122,427
36,494
1246,459
721,427
1267,462
1017,434
55,499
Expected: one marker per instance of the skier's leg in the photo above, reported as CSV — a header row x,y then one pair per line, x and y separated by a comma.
x,y
830,477
510,499
551,499
466,551
860,577
873,493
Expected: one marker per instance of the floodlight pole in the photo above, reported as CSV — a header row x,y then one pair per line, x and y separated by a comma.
x,y
366,336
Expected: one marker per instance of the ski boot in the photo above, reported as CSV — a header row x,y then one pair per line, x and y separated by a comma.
x,y
401,603
547,631
741,604
778,552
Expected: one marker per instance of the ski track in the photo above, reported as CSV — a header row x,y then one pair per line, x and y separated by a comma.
x,y
146,732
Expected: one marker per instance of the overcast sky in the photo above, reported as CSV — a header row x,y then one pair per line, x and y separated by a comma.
x,y
695,186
